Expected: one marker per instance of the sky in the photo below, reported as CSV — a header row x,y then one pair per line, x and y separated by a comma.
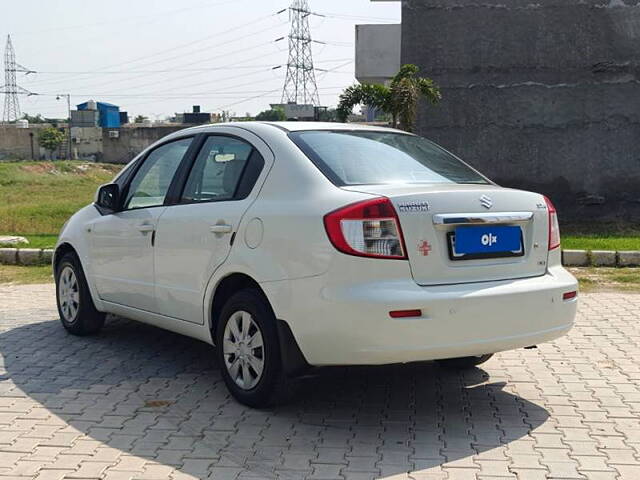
x,y
159,57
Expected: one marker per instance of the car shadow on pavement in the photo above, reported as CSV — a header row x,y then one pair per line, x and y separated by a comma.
x,y
157,395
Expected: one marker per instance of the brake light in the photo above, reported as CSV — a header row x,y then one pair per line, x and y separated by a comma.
x,y
405,313
554,226
367,229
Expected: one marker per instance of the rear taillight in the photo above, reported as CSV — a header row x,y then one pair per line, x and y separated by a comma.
x,y
554,226
367,229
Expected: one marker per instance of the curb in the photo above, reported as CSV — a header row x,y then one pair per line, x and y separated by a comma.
x,y
570,258
600,258
26,256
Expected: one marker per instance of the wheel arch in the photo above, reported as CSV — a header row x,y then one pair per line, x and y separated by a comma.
x,y
60,252
225,288
65,247
293,361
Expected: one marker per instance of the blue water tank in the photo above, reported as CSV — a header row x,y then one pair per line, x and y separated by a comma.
x,y
109,114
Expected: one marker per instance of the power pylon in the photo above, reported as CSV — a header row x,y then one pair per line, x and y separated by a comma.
x,y
11,89
300,84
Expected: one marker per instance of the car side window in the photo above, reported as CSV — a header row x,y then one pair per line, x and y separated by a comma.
x,y
217,171
151,182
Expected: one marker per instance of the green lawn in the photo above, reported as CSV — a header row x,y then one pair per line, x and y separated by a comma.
x,y
601,242
36,198
24,275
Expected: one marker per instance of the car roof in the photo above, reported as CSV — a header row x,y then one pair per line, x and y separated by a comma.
x,y
293,126
301,126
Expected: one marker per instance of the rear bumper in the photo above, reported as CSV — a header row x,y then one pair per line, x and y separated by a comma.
x,y
350,324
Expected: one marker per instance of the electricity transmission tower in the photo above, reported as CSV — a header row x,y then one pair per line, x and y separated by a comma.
x,y
300,84
11,89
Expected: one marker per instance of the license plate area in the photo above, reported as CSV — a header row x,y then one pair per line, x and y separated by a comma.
x,y
484,242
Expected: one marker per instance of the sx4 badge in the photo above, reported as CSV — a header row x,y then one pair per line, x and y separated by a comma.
x,y
413,207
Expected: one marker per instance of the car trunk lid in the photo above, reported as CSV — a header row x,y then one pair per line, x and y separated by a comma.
x,y
432,215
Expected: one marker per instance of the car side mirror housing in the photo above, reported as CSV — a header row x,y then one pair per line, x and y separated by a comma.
x,y
108,197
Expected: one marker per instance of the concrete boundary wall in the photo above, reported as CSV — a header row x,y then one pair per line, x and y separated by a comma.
x,y
540,95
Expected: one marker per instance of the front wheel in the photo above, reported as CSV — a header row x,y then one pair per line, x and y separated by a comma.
x,y
77,312
248,350
464,363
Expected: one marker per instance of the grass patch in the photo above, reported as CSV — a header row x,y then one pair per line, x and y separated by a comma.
x,y
601,242
36,198
40,241
22,275
600,236
607,279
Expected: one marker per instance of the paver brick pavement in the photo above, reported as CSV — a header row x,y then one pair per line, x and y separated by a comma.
x,y
136,402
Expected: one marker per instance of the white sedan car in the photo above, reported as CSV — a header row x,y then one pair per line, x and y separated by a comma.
x,y
295,245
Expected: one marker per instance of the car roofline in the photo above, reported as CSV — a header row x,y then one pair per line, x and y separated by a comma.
x,y
289,127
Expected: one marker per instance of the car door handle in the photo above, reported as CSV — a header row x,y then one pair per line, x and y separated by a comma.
x,y
221,229
146,227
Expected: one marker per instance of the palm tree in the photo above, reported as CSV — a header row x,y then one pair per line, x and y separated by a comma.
x,y
399,99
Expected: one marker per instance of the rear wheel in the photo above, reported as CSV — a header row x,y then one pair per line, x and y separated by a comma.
x,y
77,312
464,363
248,349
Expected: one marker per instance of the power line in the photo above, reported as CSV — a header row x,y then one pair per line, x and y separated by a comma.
x,y
181,46
130,19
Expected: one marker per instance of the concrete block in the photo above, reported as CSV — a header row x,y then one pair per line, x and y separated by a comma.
x,y
603,258
8,256
575,258
629,259
47,255
12,241
29,256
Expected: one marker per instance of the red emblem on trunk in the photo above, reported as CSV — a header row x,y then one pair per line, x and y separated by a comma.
x,y
424,248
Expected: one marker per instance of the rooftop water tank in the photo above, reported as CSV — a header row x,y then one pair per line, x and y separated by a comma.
x,y
92,105
22,123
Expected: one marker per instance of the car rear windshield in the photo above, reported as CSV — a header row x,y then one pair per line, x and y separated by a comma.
x,y
369,157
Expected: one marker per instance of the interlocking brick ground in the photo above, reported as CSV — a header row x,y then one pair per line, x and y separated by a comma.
x,y
137,402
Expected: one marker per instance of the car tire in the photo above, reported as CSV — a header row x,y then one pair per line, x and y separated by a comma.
x,y
248,350
464,363
77,311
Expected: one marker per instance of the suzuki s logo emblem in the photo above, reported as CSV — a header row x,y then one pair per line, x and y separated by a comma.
x,y
486,202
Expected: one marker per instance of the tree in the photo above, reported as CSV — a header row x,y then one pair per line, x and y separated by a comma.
x,y
140,119
273,115
328,115
34,118
51,139
399,99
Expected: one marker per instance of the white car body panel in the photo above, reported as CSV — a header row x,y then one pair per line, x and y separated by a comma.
x,y
336,305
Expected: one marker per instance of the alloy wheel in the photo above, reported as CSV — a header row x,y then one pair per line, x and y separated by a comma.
x,y
243,350
68,294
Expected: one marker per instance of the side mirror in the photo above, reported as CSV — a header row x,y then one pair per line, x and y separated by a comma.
x,y
108,196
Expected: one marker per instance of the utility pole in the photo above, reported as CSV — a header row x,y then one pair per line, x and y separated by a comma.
x,y
68,95
300,83
11,89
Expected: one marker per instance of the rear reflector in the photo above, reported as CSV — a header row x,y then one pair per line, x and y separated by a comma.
x,y
405,313
569,295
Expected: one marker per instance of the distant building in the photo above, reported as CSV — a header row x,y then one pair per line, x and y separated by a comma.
x,y
197,117
108,114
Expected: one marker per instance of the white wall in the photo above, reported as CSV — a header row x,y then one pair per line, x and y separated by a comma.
x,y
377,52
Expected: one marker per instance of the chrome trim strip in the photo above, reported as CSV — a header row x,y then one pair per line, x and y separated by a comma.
x,y
481,218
